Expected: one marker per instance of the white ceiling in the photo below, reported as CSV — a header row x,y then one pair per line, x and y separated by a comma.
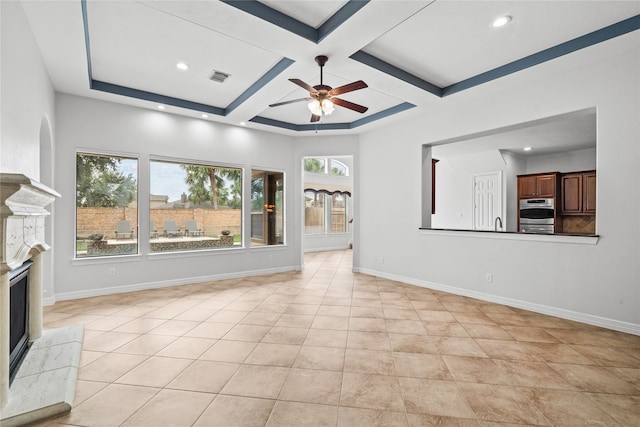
x,y
133,46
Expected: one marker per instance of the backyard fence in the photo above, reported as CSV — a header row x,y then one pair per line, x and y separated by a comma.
x,y
96,221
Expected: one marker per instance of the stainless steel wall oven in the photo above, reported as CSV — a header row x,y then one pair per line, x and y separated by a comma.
x,y
537,216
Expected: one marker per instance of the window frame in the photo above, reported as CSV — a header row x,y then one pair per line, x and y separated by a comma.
x,y
265,171
186,161
327,213
105,153
344,166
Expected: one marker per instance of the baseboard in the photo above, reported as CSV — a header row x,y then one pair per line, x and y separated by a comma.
x,y
327,248
616,325
168,283
48,301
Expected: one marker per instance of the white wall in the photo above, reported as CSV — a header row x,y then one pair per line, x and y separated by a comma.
x,y
454,187
26,93
572,161
598,283
91,125
27,112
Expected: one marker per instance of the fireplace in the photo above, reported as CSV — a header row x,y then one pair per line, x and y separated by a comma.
x,y
18,317
23,211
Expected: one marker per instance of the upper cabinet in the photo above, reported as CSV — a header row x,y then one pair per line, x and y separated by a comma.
x,y
538,185
578,193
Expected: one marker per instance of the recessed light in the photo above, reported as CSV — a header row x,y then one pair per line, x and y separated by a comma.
x,y
182,66
160,107
527,148
243,124
204,116
501,21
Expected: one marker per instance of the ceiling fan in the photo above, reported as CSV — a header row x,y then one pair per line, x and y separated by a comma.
x,y
323,97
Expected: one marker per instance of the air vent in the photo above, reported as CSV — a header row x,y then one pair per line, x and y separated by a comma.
x,y
219,76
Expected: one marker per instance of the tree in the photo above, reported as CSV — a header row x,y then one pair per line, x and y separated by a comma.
x,y
257,194
101,183
198,177
314,165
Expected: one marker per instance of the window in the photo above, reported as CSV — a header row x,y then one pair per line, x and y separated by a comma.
x,y
326,213
194,206
106,205
339,213
267,208
314,214
329,166
315,164
339,168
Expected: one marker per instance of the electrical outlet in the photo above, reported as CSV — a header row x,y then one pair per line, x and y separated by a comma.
x,y
269,257
381,260
488,278
111,272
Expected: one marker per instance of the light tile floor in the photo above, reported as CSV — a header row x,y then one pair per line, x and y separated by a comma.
x,y
327,347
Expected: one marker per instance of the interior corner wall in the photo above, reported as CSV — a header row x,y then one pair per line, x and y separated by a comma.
x,y
27,101
91,125
597,284
27,95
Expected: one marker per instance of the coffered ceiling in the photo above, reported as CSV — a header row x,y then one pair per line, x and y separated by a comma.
x,y
412,54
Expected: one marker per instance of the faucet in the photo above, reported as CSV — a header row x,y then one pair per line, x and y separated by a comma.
x,y
497,221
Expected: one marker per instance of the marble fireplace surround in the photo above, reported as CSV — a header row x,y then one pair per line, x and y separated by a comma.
x,y
45,382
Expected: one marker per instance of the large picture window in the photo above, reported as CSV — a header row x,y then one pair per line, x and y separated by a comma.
x,y
106,205
194,206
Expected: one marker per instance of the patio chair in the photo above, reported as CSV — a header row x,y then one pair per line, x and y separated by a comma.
x,y
171,228
124,230
191,228
153,233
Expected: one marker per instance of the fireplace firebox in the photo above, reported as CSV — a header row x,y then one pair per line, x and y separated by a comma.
x,y
18,317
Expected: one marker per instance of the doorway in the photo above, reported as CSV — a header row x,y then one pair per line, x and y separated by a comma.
x,y
487,201
328,203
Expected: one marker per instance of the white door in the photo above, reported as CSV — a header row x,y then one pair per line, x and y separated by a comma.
x,y
487,200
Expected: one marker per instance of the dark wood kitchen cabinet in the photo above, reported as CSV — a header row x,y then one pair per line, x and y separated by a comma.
x,y
578,193
537,185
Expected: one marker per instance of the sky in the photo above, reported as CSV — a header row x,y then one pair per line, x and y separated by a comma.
x,y
167,179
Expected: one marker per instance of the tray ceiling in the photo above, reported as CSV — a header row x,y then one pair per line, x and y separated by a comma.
x,y
410,53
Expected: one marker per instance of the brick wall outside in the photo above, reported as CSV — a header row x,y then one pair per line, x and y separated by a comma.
x,y
103,220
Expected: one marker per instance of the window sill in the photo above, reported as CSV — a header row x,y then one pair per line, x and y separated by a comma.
x,y
155,256
106,259
268,247
508,235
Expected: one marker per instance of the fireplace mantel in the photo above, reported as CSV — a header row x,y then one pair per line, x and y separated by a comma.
x,y
22,208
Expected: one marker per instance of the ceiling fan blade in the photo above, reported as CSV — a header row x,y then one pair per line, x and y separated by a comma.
x,y
315,118
350,105
277,104
303,85
348,88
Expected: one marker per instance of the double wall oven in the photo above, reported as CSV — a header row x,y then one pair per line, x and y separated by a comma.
x,y
537,216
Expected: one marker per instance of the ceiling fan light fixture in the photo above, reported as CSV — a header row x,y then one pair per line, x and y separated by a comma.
x,y
321,108
327,106
323,97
